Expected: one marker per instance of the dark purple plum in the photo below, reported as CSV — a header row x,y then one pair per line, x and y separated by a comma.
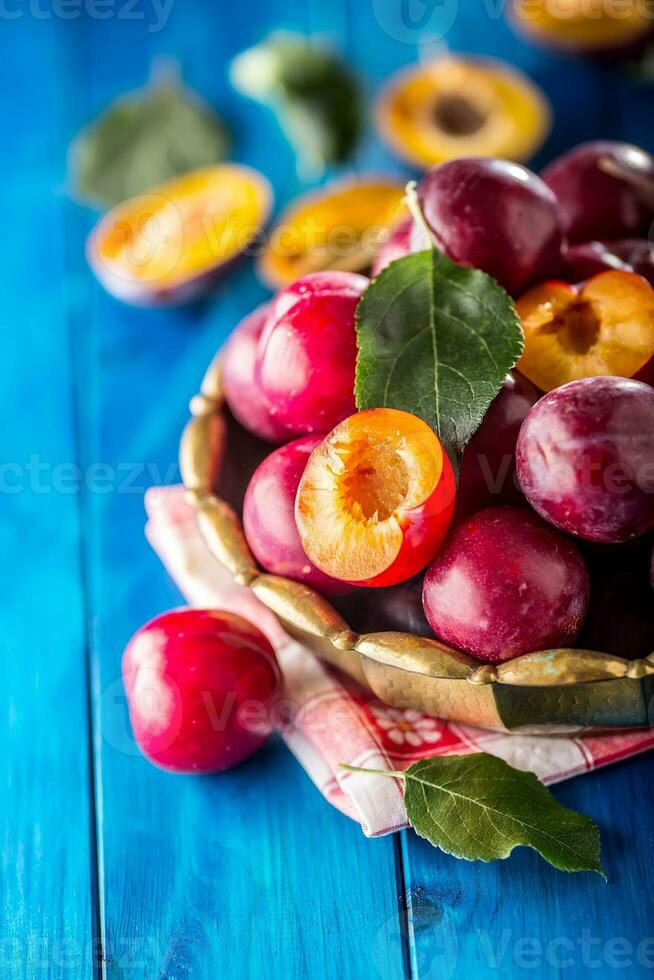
x,y
269,518
506,584
241,390
638,254
397,608
605,189
581,262
496,216
487,474
585,458
395,246
620,618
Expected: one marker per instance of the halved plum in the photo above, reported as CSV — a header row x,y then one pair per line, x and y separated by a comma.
x,y
376,498
603,327
269,517
338,227
462,106
167,246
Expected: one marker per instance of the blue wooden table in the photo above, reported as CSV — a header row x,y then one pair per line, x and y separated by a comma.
x,y
110,867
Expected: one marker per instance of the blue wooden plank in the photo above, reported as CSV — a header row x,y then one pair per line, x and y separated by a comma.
x,y
47,855
522,918
249,873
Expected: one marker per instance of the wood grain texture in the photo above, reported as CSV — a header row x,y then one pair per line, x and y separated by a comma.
x,y
521,918
47,864
249,873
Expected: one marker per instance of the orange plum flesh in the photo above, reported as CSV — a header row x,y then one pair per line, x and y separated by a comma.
x,y
603,327
376,498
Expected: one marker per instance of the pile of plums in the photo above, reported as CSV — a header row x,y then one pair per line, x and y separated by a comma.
x,y
354,501
546,540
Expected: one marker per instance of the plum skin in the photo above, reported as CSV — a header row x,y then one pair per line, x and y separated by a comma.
x,y
242,393
332,282
596,204
397,245
191,677
496,216
269,517
306,363
581,262
487,475
585,458
506,584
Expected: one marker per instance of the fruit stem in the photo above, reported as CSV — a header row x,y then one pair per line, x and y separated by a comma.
x,y
373,772
413,204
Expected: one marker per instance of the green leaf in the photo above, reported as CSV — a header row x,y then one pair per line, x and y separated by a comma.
x,y
436,339
143,139
315,95
479,808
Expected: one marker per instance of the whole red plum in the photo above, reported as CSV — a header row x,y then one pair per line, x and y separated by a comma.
x,y
506,584
200,687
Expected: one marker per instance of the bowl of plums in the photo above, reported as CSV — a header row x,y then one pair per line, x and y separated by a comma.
x,y
440,475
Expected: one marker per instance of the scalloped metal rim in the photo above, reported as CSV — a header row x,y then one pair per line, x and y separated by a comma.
x,y
307,614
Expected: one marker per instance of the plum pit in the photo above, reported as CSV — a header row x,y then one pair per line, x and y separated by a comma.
x,y
375,480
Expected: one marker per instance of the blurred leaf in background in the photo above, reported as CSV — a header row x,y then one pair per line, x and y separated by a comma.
x,y
144,138
314,93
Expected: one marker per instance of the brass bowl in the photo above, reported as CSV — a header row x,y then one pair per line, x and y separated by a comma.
x,y
547,692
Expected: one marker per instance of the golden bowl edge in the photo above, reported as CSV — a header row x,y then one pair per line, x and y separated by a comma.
x,y
565,691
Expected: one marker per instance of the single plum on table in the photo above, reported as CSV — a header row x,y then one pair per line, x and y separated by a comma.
x,y
506,584
487,474
605,189
306,361
243,395
269,517
376,498
585,458
496,216
192,677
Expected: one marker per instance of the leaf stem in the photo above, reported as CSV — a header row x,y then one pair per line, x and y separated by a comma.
x,y
413,204
373,772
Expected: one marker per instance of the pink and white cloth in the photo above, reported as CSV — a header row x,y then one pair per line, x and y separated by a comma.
x,y
326,719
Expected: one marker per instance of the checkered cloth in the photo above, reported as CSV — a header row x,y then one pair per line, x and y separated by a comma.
x,y
327,719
